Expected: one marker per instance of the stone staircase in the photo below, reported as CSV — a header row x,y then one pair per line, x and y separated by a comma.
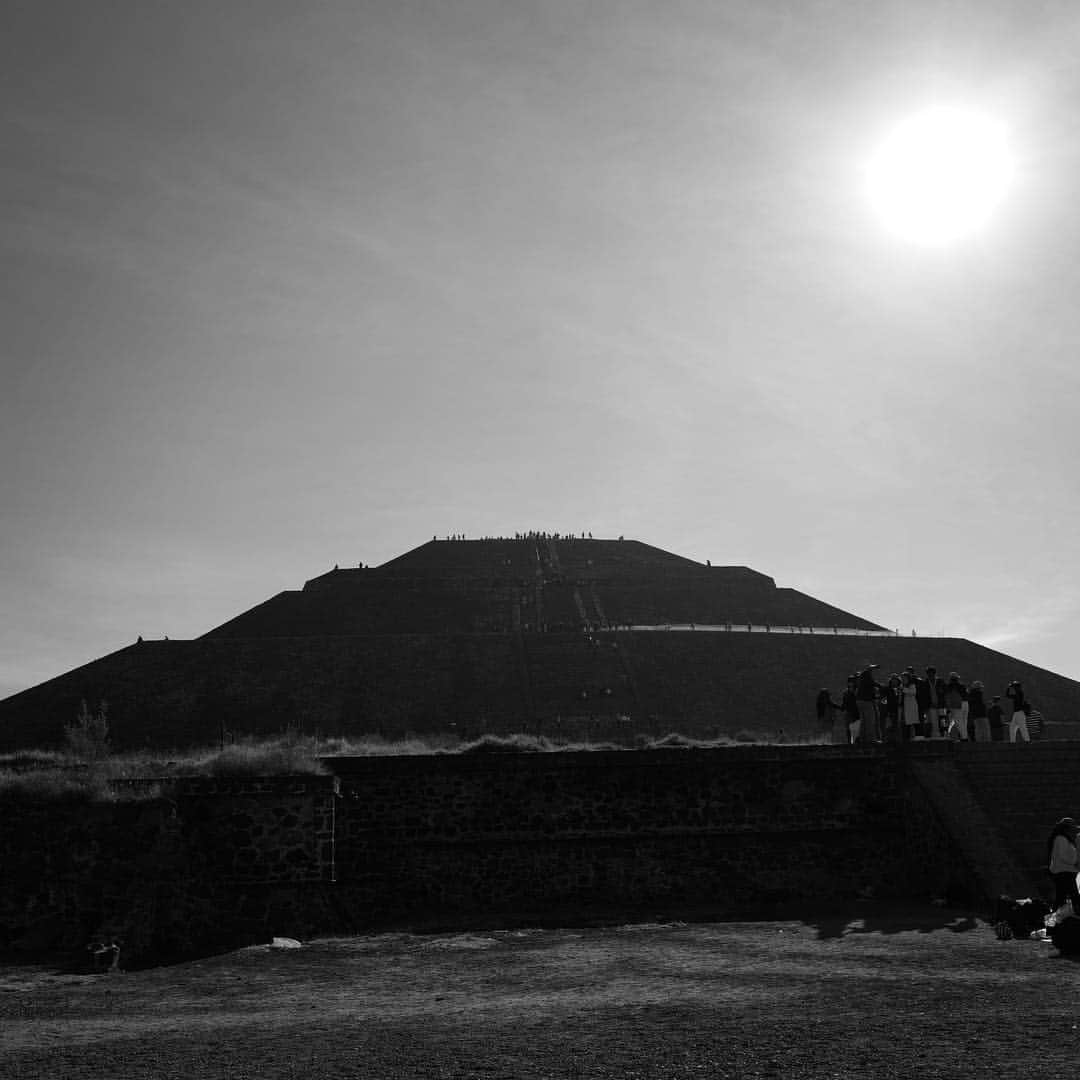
x,y
573,675
580,605
601,615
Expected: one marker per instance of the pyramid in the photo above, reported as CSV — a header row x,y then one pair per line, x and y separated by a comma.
x,y
570,637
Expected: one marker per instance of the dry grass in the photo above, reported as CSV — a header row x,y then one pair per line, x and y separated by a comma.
x,y
52,785
28,760
278,757
378,746
45,775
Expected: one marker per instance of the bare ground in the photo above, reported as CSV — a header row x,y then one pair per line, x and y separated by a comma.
x,y
927,993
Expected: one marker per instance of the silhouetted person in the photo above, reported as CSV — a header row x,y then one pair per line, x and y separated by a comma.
x,y
956,703
931,702
910,714
995,715
866,692
828,711
850,705
1035,721
1018,728
890,708
978,714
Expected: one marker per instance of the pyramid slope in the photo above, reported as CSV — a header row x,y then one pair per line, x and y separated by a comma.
x,y
181,693
466,637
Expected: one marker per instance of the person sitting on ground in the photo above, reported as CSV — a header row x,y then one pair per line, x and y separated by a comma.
x,y
1064,863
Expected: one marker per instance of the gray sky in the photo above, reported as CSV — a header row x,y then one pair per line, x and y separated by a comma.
x,y
287,285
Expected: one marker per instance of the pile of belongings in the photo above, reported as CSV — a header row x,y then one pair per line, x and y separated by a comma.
x,y
1032,918
1020,918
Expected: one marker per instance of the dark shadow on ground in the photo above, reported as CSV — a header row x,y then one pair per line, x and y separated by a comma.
x,y
882,919
829,922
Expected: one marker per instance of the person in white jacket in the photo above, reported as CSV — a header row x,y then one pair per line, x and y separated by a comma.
x,y
1064,862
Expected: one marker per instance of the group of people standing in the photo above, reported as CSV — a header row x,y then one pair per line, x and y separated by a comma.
x,y
907,707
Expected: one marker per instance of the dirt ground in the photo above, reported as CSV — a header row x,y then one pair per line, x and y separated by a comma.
x,y
927,993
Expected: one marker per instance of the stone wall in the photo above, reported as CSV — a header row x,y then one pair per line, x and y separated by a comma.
x,y
727,830
271,830
468,839
69,866
217,863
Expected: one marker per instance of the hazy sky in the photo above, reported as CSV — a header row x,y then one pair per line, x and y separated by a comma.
x,y
286,285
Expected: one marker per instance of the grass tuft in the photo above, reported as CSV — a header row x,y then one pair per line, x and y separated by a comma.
x,y
277,757
377,746
673,740
508,744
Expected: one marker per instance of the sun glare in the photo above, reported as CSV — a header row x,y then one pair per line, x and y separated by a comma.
x,y
940,175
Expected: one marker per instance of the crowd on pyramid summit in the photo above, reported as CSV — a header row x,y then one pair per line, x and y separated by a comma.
x,y
907,707
533,534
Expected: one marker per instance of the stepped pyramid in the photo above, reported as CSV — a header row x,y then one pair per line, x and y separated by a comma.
x,y
570,637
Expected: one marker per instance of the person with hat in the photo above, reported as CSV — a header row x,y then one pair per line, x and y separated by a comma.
x,y
1064,862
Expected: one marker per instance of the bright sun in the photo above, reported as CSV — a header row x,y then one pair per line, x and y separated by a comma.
x,y
940,175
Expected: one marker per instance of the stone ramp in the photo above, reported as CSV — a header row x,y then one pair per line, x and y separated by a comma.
x,y
985,838
1024,788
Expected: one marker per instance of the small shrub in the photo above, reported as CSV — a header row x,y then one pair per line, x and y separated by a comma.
x,y
88,737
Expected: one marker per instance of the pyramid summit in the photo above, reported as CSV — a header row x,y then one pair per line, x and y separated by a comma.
x,y
566,636
536,583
